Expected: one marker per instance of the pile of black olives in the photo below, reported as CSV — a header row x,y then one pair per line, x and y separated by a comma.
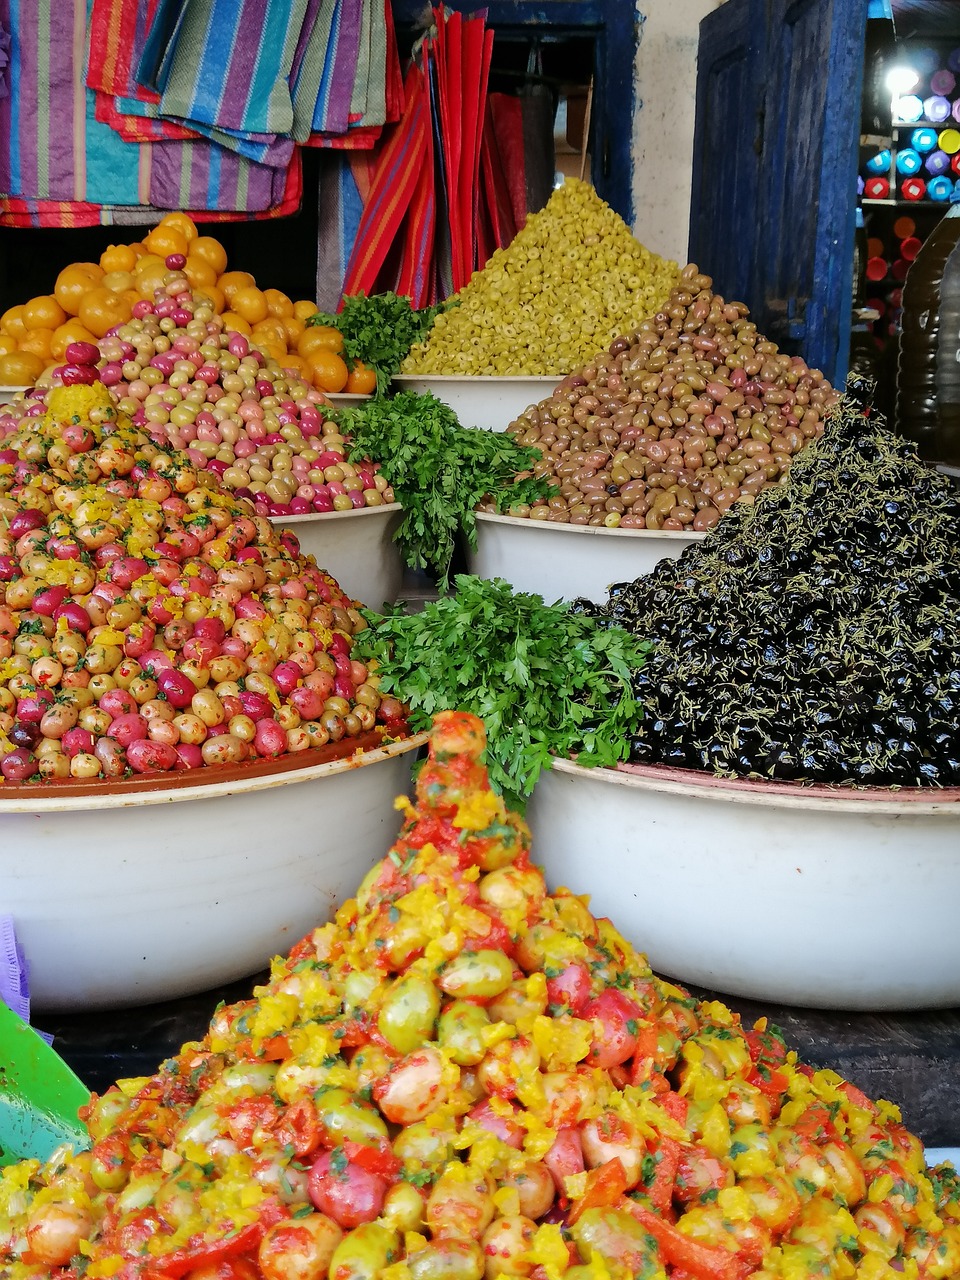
x,y
815,635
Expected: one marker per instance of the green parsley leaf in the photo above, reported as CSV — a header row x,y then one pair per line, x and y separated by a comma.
x,y
463,651
440,472
380,330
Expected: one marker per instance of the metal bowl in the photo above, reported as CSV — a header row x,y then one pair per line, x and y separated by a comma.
x,y
821,897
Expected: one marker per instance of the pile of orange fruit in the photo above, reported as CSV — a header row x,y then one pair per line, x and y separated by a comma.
x,y
90,298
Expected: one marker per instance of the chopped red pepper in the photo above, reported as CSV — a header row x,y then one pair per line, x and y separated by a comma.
x,y
660,1191
765,1046
206,1251
644,1064
379,1160
201,1252
498,937
816,1123
675,1106
274,1049
605,1186
299,1128
768,1080
702,1261
858,1098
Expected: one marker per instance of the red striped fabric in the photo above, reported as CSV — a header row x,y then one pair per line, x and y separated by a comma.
x,y
118,30
418,277
403,156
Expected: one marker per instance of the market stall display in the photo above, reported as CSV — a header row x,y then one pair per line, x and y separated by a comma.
x,y
809,640
163,644
464,1074
548,682
659,435
813,636
678,419
257,426
572,279
233,409
130,891
439,471
378,332
88,300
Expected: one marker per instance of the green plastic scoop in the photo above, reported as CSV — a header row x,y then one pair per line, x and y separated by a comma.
x,y
39,1095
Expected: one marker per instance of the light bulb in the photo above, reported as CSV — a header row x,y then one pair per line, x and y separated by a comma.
x,y
901,79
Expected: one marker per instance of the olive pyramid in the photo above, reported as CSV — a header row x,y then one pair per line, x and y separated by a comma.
x,y
814,635
571,280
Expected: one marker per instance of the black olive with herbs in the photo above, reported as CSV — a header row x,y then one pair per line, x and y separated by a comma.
x,y
814,635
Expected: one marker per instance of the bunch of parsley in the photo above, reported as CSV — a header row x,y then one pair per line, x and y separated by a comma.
x,y
380,330
547,681
439,471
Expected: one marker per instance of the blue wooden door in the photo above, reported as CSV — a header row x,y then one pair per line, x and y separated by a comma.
x,y
729,136
777,218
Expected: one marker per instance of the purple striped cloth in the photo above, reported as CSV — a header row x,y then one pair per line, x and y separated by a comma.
x,y
55,150
229,64
4,61
201,175
332,111
53,147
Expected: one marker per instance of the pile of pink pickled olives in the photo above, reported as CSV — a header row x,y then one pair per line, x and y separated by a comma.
x,y
148,620
234,411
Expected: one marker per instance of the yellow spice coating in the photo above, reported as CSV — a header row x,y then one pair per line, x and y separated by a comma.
x,y
572,279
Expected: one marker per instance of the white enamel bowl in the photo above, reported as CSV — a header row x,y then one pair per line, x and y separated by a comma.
x,y
346,399
816,897
356,547
123,898
481,401
564,561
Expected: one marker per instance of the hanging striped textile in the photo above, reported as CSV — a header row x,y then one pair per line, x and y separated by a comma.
x,y
331,110
19,212
403,157
417,278
248,92
318,40
120,106
339,211
187,175
118,36
63,167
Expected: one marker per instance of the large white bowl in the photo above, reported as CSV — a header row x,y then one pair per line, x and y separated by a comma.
x,y
478,400
123,899
564,561
356,547
346,399
821,898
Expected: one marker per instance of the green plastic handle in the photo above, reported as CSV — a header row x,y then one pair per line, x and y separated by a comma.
x,y
39,1095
